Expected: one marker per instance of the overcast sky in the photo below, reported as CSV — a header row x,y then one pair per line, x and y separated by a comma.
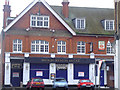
x,y
18,5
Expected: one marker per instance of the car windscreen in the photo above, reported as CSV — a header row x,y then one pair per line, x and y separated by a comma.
x,y
37,80
85,81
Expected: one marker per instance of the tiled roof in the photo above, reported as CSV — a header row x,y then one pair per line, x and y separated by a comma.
x,y
93,17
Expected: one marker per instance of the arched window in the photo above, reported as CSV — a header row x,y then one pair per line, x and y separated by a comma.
x,y
61,47
109,48
81,47
39,46
17,45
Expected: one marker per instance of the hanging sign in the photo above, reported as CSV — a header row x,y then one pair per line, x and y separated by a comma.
x,y
101,45
39,73
80,74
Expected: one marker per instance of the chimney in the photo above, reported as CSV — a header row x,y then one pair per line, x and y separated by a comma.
x,y
65,8
6,12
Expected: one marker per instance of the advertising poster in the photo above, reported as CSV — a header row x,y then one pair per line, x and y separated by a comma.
x,y
39,73
80,74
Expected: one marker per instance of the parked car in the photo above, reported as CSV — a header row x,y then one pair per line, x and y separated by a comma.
x,y
60,83
35,83
85,83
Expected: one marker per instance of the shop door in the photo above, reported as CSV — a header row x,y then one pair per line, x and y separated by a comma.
x,y
61,71
16,75
101,77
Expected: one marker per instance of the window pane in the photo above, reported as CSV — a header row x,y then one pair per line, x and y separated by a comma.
x,y
15,47
59,48
33,23
45,23
33,48
19,47
37,48
46,18
63,48
78,24
38,23
33,42
42,48
82,24
46,48
15,41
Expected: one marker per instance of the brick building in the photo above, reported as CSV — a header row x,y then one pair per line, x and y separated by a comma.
x,y
58,41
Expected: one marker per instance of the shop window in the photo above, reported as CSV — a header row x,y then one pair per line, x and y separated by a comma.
x,y
39,21
61,47
109,48
17,45
39,46
81,47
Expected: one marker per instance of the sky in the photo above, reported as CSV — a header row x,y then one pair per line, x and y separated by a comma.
x,y
18,5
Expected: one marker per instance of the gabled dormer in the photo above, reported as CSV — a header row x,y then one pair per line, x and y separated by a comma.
x,y
80,23
108,25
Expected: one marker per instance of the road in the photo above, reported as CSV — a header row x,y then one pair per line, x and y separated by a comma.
x,y
49,88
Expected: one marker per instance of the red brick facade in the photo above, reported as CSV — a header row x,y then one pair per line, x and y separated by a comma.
x,y
71,40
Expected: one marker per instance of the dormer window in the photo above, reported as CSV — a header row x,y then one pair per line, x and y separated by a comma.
x,y
80,23
39,21
109,25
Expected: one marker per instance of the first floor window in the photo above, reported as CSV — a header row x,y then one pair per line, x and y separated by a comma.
x,y
61,46
40,46
81,47
17,45
109,48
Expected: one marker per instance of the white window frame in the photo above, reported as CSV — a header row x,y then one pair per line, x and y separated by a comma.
x,y
61,45
109,25
81,47
39,44
36,20
17,45
110,48
76,23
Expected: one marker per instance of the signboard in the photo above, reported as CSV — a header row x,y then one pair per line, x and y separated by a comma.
x,y
39,73
15,74
101,45
59,60
80,74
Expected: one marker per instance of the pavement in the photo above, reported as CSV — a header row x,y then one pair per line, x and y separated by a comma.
x,y
50,88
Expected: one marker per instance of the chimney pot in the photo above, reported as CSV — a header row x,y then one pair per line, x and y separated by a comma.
x,y
65,0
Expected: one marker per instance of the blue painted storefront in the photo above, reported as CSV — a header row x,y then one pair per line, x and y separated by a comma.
x,y
81,68
39,70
